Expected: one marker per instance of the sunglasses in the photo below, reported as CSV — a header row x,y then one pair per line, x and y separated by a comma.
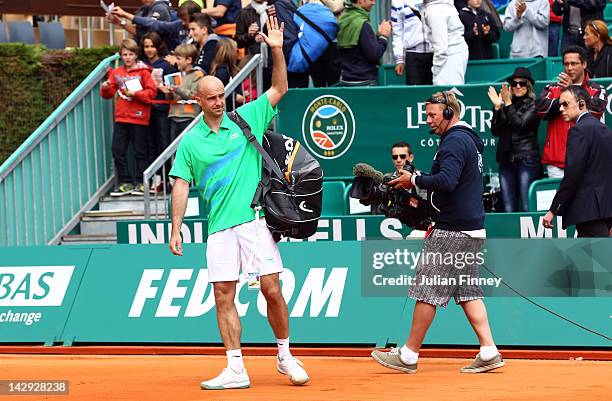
x,y
564,104
403,157
516,84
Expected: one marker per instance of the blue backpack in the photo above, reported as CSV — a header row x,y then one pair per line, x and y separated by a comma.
x,y
308,31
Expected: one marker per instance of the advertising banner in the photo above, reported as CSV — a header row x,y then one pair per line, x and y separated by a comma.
x,y
348,228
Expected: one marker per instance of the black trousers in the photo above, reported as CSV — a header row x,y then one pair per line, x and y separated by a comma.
x,y
594,229
159,134
417,68
123,135
326,70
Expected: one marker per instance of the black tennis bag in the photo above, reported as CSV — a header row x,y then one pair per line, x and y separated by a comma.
x,y
291,186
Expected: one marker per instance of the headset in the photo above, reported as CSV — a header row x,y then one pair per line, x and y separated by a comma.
x,y
448,112
581,104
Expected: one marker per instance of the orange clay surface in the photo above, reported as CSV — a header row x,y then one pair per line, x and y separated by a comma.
x,y
171,377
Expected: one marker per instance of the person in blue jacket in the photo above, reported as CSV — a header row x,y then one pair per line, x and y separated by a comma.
x,y
455,188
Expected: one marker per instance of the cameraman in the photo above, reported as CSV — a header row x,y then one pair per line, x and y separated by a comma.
x,y
455,189
401,153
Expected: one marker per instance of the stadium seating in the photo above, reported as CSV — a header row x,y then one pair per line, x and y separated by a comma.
x,y
334,203
541,193
52,35
21,32
3,38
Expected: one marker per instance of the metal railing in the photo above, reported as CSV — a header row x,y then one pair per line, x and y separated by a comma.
x,y
61,170
237,91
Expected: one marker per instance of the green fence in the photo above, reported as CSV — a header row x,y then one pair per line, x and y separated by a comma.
x,y
143,294
60,170
345,126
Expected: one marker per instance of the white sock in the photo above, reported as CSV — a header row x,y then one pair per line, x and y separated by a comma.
x,y
283,347
408,356
488,352
234,360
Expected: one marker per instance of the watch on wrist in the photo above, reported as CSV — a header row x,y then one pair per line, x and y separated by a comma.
x,y
123,22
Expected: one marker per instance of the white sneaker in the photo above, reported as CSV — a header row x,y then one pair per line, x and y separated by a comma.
x,y
226,380
292,367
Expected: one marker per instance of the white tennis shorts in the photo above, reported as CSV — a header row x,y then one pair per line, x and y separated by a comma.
x,y
229,251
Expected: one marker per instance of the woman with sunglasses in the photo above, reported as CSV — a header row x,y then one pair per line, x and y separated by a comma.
x,y
515,122
599,49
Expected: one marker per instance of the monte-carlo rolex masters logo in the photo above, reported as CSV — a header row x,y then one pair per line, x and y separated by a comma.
x,y
328,127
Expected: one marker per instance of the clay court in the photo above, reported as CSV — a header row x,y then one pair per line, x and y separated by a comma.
x,y
177,377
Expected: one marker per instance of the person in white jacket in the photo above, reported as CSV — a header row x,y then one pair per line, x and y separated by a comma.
x,y
529,20
411,50
445,34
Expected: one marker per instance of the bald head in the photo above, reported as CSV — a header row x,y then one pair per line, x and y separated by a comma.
x,y
211,97
209,84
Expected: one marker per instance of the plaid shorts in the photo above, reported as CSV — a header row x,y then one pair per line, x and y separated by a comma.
x,y
443,270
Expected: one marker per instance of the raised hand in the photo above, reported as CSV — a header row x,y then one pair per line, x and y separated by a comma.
x,y
274,38
495,98
505,94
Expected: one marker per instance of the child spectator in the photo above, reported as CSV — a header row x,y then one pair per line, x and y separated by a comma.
x,y
200,29
225,67
135,87
480,30
186,108
154,49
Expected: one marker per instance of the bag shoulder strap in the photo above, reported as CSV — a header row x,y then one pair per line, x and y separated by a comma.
x,y
246,130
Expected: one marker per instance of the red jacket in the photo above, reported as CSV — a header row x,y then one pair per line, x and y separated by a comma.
x,y
547,106
554,17
136,109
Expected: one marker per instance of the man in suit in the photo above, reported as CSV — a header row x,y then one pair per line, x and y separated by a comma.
x,y
585,194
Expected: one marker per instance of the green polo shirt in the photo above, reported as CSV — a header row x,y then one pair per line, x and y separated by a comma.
x,y
225,167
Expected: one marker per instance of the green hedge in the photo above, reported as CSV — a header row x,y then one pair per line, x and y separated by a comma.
x,y
33,82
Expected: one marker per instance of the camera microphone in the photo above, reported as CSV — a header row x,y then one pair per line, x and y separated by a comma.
x,y
365,170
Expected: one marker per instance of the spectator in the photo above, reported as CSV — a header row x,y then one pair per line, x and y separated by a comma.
x,y
411,50
200,29
156,9
225,13
480,30
445,34
359,49
528,20
574,73
554,31
225,67
325,71
575,14
401,153
584,197
159,127
186,107
172,32
135,87
599,49
515,122
250,20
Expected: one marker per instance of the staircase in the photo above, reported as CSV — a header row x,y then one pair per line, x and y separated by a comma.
x,y
100,226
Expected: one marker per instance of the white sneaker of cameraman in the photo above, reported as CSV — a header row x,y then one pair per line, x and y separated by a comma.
x,y
292,367
226,380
